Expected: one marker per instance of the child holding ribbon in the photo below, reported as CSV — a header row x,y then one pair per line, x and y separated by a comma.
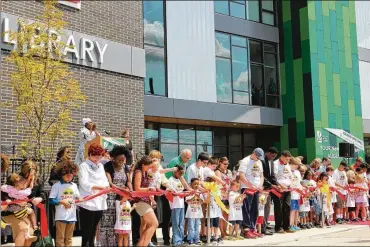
x,y
123,221
63,195
235,214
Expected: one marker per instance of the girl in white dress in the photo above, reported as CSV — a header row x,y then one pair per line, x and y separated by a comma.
x,y
86,134
123,221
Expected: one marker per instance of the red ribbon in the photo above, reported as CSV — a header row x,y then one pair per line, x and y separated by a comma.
x,y
251,191
340,194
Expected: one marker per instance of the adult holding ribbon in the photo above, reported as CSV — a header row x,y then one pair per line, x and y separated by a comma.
x,y
92,179
284,176
19,225
141,182
251,176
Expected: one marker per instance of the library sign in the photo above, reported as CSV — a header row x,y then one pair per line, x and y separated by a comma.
x,y
87,50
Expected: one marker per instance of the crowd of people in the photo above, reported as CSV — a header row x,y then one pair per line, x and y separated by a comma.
x,y
203,201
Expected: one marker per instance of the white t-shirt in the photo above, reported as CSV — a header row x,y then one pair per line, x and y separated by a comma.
x,y
176,185
333,197
340,177
215,210
361,196
283,173
305,206
235,212
156,179
296,175
194,172
252,170
123,216
194,210
208,173
351,199
65,191
261,209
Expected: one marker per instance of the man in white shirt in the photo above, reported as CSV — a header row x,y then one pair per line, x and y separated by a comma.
x,y
251,176
325,163
341,181
195,170
284,177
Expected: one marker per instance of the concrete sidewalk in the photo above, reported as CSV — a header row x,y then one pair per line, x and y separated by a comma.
x,y
276,239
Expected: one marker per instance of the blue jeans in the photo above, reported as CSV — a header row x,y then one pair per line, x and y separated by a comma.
x,y
193,230
177,218
250,211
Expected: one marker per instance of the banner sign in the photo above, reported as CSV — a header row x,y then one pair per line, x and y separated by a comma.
x,y
347,137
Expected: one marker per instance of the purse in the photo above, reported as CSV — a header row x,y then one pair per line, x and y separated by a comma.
x,y
42,241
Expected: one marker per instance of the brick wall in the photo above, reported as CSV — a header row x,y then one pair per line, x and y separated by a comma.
x,y
114,101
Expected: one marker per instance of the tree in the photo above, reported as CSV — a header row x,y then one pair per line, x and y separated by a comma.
x,y
44,88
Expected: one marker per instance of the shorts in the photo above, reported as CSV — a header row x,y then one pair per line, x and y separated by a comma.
x,y
294,205
351,209
260,220
303,214
122,231
311,202
341,203
225,202
360,204
214,222
236,222
142,208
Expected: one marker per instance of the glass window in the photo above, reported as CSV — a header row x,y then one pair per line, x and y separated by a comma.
x,y
270,59
235,137
237,10
222,7
239,41
248,151
192,148
151,137
241,97
169,133
169,151
253,7
220,135
256,51
204,136
249,139
235,156
187,135
155,79
220,151
240,68
222,45
223,80
204,148
269,48
270,81
268,5
153,23
257,84
268,18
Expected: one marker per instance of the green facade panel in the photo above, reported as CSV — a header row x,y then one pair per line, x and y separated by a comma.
x,y
320,77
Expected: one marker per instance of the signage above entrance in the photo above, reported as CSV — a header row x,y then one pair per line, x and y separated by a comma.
x,y
87,50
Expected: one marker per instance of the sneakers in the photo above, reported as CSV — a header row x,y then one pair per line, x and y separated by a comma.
x,y
280,231
220,240
290,230
304,226
239,238
151,244
213,239
199,243
250,235
296,228
258,234
231,238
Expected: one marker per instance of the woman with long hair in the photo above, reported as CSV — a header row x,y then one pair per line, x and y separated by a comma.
x,y
141,182
226,175
19,226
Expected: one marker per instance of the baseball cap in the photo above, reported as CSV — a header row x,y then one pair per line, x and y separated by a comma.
x,y
259,153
